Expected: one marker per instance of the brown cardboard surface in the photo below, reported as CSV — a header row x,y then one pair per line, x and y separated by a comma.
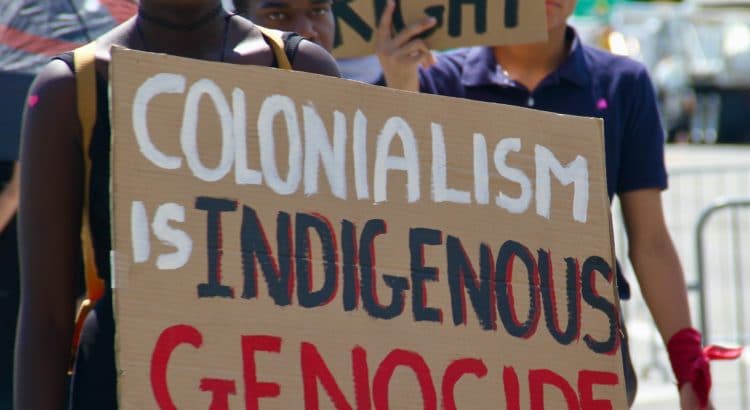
x,y
460,23
175,346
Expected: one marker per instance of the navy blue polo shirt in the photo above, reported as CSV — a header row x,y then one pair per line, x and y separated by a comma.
x,y
591,83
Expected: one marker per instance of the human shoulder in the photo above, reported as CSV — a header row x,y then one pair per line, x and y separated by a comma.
x,y
51,132
614,67
451,62
57,74
252,48
624,81
247,43
53,91
60,71
312,58
444,77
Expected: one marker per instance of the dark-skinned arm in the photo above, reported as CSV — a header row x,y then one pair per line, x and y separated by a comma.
x,y
49,241
312,58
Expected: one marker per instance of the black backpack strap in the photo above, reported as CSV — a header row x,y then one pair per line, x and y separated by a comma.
x,y
66,58
291,44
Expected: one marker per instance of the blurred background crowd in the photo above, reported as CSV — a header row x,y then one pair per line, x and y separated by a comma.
x,y
698,53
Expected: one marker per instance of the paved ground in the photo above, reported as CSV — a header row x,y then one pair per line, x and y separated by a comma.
x,y
700,175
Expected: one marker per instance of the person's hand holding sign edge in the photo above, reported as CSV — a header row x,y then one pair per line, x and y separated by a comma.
x,y
401,54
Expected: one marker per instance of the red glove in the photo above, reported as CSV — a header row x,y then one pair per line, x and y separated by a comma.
x,y
690,359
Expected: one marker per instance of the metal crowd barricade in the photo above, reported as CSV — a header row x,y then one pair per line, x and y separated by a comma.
x,y
737,213
696,181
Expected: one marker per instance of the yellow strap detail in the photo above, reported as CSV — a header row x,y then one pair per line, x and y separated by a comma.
x,y
276,42
83,61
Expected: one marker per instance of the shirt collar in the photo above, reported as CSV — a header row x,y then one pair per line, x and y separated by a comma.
x,y
574,68
481,67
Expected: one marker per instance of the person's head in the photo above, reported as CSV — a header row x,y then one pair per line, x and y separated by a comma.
x,y
178,11
312,19
558,12
175,5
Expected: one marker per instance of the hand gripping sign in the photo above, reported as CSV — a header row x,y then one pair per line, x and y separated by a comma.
x,y
287,241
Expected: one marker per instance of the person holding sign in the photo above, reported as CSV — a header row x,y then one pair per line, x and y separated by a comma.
x,y
565,76
312,19
52,194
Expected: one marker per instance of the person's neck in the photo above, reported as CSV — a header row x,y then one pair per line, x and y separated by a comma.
x,y
529,64
192,31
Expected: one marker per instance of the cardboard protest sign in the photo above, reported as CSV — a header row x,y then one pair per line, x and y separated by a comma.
x,y
459,23
285,241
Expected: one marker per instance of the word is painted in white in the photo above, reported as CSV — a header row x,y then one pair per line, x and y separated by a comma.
x,y
312,152
178,239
